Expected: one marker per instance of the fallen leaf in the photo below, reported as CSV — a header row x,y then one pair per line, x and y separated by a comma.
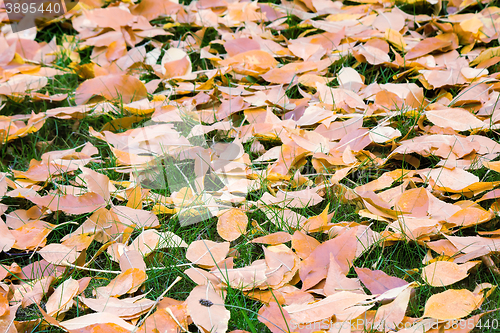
x,y
127,282
444,273
206,252
451,304
119,87
58,254
62,298
207,309
232,224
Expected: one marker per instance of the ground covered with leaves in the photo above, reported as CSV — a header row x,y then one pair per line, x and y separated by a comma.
x,y
224,165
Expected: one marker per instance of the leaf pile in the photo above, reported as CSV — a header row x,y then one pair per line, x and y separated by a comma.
x,y
290,108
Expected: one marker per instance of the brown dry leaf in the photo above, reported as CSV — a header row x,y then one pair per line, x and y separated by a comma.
x,y
95,320
202,277
135,217
7,239
253,62
62,298
132,259
444,273
275,238
451,304
207,310
336,281
471,216
275,317
127,282
7,320
287,294
389,316
151,9
314,268
97,183
414,202
121,87
377,281
127,308
317,223
175,64
495,166
303,244
244,278
232,224
384,21
314,132
456,118
8,270
150,240
80,242
32,293
59,254
41,171
336,304
162,319
102,328
71,204
426,46
206,252
11,129
474,244
31,235
282,265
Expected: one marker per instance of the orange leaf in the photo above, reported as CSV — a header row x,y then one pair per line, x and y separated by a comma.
x,y
303,244
62,298
275,238
232,224
316,223
71,204
451,304
207,309
426,46
444,273
58,254
126,283
206,252
121,87
252,62
31,235
378,282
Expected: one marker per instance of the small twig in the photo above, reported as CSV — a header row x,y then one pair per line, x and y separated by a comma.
x,y
175,319
67,264
139,324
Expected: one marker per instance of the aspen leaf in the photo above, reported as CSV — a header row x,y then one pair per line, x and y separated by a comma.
x,y
125,283
62,298
207,309
232,224
456,118
58,254
206,252
444,273
274,238
96,319
451,304
127,308
114,86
